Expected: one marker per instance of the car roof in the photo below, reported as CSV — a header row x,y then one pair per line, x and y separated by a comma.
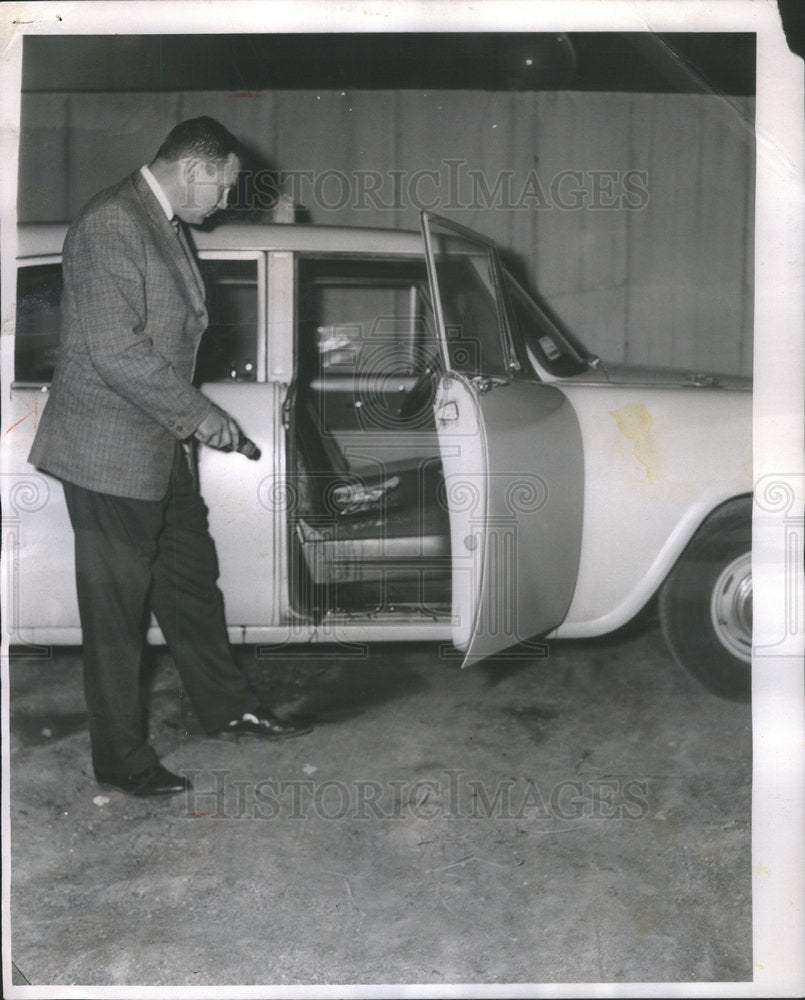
x,y
44,239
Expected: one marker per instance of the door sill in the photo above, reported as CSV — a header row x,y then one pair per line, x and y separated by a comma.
x,y
393,614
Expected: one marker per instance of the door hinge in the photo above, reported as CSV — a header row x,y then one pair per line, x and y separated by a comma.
x,y
483,383
287,406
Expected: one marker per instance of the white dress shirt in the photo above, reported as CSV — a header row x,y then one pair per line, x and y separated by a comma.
x,y
153,183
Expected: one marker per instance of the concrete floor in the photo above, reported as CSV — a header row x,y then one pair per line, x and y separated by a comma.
x,y
578,818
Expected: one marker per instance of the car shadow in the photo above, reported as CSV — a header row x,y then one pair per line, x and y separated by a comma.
x,y
513,661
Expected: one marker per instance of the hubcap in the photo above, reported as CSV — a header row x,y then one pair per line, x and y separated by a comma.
x,y
731,607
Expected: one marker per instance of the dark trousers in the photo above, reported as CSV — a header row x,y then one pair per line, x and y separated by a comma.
x,y
136,556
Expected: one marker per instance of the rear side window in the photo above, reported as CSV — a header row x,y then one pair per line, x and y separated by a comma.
x,y
228,349
39,288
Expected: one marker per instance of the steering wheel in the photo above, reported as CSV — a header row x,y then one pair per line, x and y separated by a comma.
x,y
421,393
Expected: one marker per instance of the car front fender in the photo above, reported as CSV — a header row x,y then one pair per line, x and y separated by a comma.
x,y
657,462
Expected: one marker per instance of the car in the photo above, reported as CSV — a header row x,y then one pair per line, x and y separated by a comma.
x,y
440,458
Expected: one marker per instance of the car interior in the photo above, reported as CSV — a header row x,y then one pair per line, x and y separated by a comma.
x,y
370,526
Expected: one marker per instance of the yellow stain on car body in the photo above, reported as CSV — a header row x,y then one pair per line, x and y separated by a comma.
x,y
635,421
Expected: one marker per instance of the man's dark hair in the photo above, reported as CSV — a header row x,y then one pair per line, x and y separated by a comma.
x,y
198,137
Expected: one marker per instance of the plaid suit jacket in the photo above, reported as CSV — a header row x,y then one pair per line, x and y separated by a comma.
x,y
132,317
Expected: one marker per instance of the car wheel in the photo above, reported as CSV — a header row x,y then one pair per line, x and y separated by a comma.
x,y
705,603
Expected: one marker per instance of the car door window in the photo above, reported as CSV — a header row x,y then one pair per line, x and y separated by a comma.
x,y
39,288
471,317
228,349
469,298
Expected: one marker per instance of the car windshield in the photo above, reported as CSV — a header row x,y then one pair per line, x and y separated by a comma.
x,y
549,345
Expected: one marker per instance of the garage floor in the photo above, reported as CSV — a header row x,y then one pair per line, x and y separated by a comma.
x,y
582,817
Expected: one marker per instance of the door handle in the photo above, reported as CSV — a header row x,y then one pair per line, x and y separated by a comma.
x,y
447,412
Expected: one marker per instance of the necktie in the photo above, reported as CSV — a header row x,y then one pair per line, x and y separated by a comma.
x,y
177,228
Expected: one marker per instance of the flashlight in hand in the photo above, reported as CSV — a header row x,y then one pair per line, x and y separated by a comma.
x,y
248,448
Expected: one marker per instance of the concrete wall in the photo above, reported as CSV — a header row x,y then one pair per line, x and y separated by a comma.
x,y
632,212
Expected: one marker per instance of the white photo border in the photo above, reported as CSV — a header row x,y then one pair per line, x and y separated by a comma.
x,y
778,705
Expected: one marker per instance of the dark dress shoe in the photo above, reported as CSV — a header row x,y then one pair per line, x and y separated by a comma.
x,y
265,724
156,780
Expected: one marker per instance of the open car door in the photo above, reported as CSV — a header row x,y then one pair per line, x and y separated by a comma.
x,y
512,457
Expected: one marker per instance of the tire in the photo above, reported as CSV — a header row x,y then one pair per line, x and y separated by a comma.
x,y
705,603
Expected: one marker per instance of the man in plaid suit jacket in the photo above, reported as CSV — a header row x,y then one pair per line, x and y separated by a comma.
x,y
121,403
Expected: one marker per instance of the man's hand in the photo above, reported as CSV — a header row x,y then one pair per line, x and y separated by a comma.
x,y
218,430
